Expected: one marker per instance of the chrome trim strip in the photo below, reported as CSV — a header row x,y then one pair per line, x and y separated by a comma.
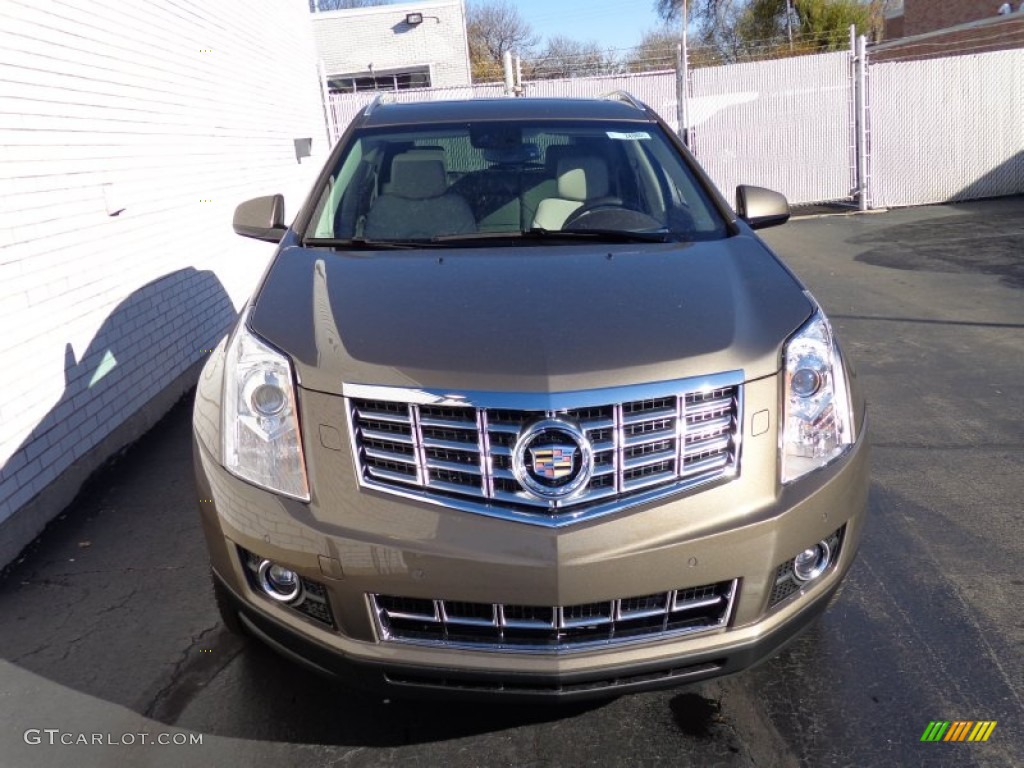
x,y
486,456
391,418
393,437
703,446
417,442
645,438
699,409
454,466
430,421
681,433
396,477
647,459
450,445
543,517
545,401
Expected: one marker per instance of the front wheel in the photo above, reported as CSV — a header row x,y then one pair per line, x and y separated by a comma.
x,y
226,608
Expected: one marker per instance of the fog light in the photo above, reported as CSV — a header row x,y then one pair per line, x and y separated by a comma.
x,y
812,562
278,582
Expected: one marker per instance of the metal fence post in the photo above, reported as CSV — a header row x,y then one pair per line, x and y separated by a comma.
x,y
510,77
682,87
325,94
860,89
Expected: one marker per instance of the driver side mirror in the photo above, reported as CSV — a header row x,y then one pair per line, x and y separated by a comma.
x,y
261,218
761,207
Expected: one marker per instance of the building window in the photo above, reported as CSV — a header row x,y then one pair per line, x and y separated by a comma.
x,y
387,80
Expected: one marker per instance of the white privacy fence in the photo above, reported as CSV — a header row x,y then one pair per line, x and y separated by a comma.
x,y
786,124
656,89
946,129
936,130
342,107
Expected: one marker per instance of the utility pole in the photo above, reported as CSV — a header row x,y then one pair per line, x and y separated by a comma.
x,y
789,23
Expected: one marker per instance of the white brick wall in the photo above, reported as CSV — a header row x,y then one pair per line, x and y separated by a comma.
x,y
349,41
175,110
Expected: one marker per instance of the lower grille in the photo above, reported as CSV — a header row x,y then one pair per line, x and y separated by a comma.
x,y
526,628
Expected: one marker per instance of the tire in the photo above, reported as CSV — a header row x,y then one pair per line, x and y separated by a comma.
x,y
226,608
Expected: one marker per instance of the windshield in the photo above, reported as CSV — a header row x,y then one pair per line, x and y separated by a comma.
x,y
554,180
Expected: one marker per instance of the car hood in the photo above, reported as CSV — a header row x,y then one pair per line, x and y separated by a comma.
x,y
529,319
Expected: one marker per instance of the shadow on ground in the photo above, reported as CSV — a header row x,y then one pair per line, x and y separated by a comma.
x,y
966,241
114,600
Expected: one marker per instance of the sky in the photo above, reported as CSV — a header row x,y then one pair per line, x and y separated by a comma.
x,y
612,23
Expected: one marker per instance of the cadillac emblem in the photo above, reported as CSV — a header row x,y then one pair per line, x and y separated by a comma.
x,y
553,462
552,459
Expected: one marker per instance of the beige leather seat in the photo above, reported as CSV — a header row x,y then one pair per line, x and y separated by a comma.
x,y
417,203
581,179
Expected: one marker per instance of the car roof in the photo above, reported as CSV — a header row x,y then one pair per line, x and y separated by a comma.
x,y
515,109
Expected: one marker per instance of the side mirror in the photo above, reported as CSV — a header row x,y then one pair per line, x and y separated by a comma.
x,y
761,207
261,218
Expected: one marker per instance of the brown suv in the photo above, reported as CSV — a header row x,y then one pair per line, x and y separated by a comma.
x,y
522,407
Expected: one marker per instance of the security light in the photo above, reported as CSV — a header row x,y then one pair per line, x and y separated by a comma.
x,y
412,19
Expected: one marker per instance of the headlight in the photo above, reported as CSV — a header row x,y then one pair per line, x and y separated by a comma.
x,y
262,443
818,423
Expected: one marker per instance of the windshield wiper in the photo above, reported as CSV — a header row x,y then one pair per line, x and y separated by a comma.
x,y
361,244
604,235
538,233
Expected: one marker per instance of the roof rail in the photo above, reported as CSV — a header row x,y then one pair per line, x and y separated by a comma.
x,y
626,97
380,98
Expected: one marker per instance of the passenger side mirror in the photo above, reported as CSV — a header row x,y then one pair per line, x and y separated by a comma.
x,y
761,207
261,218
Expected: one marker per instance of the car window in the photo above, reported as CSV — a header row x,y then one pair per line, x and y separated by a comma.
x,y
424,183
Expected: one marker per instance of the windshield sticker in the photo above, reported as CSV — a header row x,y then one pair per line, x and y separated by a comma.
x,y
631,136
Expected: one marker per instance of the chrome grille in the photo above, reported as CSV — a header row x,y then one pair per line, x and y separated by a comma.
x,y
526,628
457,449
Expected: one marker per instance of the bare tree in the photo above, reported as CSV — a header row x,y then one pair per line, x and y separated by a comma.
x,y
565,57
657,50
494,28
732,30
699,10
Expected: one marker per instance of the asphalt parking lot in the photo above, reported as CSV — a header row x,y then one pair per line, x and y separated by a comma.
x,y
109,626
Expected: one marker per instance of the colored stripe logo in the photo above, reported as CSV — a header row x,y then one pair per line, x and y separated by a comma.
x,y
958,730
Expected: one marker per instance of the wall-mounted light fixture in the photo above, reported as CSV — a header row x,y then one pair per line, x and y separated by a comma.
x,y
415,19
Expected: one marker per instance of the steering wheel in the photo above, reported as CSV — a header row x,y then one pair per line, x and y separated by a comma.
x,y
611,214
597,204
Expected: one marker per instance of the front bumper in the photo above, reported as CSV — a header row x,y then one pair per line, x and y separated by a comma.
x,y
395,678
357,542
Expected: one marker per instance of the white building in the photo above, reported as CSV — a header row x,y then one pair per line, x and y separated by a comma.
x,y
394,47
128,134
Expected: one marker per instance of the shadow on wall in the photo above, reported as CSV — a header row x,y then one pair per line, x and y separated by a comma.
x,y
114,601
136,366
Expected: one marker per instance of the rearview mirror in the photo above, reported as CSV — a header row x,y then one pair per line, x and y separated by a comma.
x,y
261,218
761,207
